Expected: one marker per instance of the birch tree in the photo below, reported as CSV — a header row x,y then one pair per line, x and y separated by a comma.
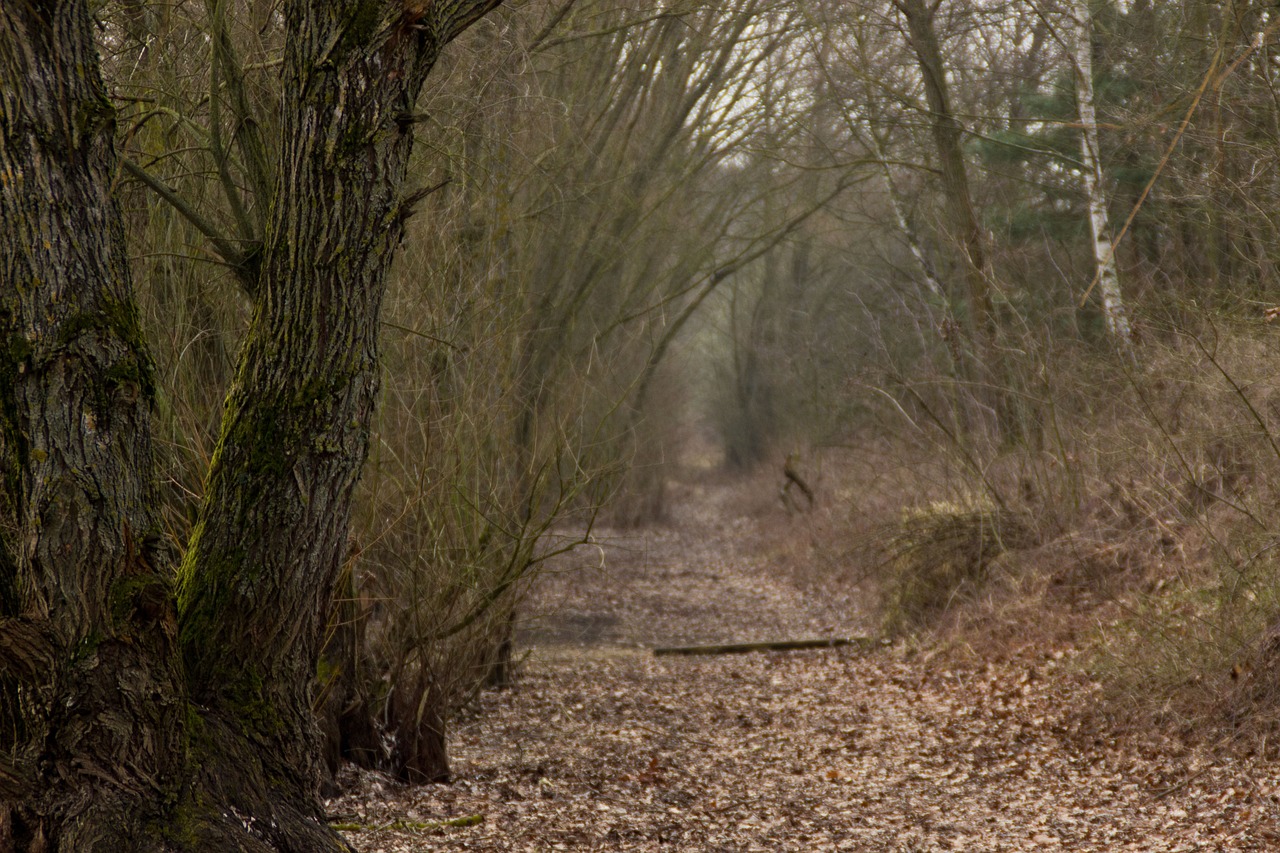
x,y
1107,274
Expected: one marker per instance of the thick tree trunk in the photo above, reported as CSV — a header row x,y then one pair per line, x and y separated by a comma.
x,y
255,584
90,693
106,743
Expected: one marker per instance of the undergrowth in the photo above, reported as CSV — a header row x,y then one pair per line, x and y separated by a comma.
x,y
939,555
1130,515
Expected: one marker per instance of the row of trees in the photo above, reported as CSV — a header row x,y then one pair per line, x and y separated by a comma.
x,y
1044,172
309,363
202,310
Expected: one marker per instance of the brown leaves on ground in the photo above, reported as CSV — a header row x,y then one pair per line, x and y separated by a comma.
x,y
601,746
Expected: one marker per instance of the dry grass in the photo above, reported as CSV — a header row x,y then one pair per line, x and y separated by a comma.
x,y
603,747
1135,523
939,555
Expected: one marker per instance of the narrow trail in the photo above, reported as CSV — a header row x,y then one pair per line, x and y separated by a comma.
x,y
602,746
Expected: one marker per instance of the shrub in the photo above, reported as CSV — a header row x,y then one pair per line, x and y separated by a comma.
x,y
940,553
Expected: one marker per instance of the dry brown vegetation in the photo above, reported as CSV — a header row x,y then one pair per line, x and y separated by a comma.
x,y
910,746
1139,532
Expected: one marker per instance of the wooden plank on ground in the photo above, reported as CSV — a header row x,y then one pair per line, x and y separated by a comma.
x,y
767,646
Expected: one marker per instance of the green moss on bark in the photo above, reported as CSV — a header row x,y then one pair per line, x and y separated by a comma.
x,y
137,367
273,433
139,598
360,27
134,372
14,354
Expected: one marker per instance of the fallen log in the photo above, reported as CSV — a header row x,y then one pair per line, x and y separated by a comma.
x,y
768,646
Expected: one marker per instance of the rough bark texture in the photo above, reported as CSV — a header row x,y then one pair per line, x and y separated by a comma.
x,y
255,583
91,701
420,754
346,714
121,726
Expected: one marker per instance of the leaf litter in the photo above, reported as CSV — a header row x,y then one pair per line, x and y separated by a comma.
x,y
599,745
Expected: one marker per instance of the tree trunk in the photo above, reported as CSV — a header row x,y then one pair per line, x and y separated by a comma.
x,y
948,328
947,138
1107,273
991,376
416,711
91,702
255,584
346,714
123,728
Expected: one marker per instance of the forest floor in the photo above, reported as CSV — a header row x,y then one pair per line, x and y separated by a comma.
x,y
601,745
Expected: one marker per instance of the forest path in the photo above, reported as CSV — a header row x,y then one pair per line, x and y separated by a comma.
x,y
602,746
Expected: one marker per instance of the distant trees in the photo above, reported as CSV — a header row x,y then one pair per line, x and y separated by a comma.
x,y
1013,143
948,134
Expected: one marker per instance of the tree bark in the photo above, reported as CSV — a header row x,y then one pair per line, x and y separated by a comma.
x,y
948,135
125,725
90,693
259,570
1104,258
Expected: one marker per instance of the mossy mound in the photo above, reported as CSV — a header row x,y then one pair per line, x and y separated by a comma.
x,y
939,554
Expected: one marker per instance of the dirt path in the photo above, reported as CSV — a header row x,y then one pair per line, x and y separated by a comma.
x,y
602,746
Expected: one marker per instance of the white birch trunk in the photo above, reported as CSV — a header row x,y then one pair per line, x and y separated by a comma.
x,y
927,274
1108,276
948,328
